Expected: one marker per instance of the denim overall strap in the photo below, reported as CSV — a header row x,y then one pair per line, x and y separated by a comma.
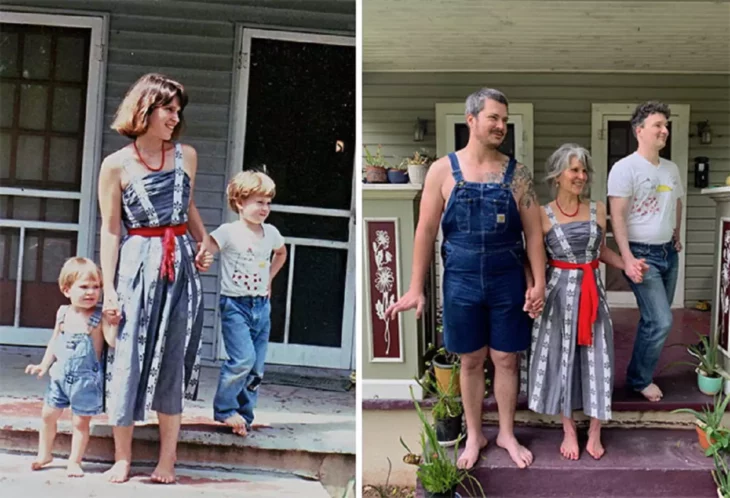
x,y
95,318
511,167
455,169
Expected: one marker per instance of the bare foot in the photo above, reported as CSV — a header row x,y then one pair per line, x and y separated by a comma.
x,y
569,448
594,446
652,392
73,469
238,424
519,454
40,462
471,452
164,474
119,472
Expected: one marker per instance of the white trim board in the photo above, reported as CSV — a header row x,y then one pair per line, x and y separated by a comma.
x,y
680,115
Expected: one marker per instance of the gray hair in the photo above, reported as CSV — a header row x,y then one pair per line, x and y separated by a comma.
x,y
475,101
559,161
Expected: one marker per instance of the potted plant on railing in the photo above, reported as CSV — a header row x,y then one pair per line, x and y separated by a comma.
x,y
398,174
447,411
722,477
376,166
417,166
709,379
712,435
437,468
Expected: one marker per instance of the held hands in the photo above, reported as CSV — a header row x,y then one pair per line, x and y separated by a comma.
x,y
110,309
534,301
204,257
635,269
409,300
39,370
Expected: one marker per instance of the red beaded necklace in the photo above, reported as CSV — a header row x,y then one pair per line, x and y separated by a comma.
x,y
162,163
566,214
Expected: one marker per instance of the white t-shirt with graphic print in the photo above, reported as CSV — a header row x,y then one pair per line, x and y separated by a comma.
x,y
245,258
653,191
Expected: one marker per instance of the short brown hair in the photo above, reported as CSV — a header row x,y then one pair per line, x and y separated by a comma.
x,y
645,110
150,91
248,183
76,268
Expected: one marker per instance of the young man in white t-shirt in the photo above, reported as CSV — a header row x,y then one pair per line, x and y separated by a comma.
x,y
247,270
645,193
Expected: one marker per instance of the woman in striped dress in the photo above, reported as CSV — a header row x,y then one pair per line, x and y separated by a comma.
x,y
571,357
151,274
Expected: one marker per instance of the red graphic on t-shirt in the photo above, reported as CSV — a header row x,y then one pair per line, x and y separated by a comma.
x,y
649,206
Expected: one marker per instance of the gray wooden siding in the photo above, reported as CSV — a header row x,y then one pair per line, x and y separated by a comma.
x,y
562,113
193,42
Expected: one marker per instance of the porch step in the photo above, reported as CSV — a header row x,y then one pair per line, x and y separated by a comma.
x,y
297,449
18,480
642,463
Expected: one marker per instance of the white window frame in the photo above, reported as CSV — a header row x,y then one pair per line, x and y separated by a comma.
x,y
98,23
601,114
285,353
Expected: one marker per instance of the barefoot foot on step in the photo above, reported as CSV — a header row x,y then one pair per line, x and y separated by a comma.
x,y
119,472
519,454
470,455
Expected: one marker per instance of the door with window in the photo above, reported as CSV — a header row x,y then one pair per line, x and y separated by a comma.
x,y
49,75
295,114
612,140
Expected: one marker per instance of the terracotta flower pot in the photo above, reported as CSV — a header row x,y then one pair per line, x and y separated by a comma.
x,y
376,175
443,372
702,436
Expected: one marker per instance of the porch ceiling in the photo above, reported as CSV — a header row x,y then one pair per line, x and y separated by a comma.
x,y
529,35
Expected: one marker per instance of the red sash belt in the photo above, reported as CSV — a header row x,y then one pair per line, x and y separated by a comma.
x,y
167,268
588,306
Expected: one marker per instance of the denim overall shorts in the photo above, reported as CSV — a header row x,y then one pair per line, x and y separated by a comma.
x,y
77,374
483,259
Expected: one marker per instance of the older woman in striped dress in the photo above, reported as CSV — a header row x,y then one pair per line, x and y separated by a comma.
x,y
571,356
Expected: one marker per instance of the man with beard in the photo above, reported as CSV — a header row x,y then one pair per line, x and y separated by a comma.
x,y
645,193
484,200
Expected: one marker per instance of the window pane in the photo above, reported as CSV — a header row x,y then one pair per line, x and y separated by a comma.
x,y
8,271
37,56
70,53
5,155
7,104
64,165
278,302
33,102
66,109
295,117
62,210
56,250
311,227
8,53
26,208
319,294
29,165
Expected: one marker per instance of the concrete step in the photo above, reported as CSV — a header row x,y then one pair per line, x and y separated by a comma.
x,y
16,479
308,450
646,463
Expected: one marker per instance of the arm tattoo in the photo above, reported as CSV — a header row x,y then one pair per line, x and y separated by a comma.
x,y
523,187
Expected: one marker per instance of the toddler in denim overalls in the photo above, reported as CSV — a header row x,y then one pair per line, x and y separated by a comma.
x,y
73,356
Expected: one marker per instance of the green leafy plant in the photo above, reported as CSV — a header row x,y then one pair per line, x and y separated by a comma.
x,y
721,476
419,158
437,469
706,354
377,160
447,405
710,420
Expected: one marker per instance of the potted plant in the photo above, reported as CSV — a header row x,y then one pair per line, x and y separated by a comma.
x,y
712,436
417,166
437,468
376,166
398,174
709,379
721,477
447,411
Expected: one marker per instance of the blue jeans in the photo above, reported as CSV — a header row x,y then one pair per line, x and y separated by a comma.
x,y
654,297
246,324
